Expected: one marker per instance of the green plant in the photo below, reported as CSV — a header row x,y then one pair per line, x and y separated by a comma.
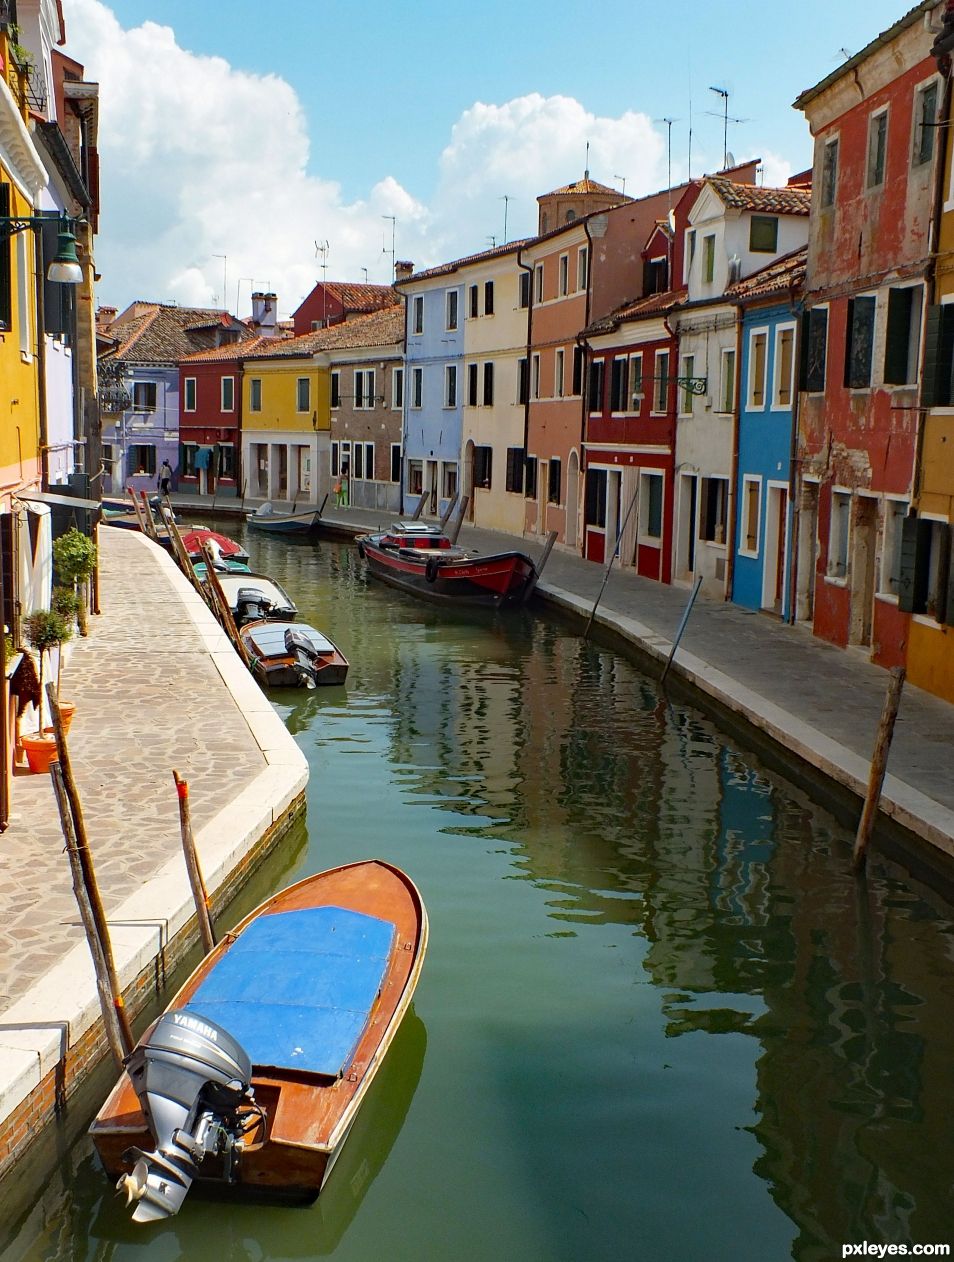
x,y
44,629
74,559
65,602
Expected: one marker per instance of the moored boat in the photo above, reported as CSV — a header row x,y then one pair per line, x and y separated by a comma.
x,y
223,548
255,1073
292,655
267,518
255,598
420,559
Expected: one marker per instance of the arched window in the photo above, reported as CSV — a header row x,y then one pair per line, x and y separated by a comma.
x,y
570,216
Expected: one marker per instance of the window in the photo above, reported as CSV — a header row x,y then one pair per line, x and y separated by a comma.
x,y
530,478
925,123
522,381
450,323
619,384
596,386
582,268
829,172
535,384
877,144
650,505
483,467
472,373
751,511
655,276
784,365
636,381
357,466
228,394
303,394
255,394
688,371
335,464
763,234
661,383
727,382
553,482
450,385
364,388
859,342
902,335
415,477
814,350
708,259
395,462
187,453
523,302
368,460
189,401
838,534
144,396
488,297
227,460
712,509
559,379
578,370
937,387
538,273
336,389
417,387
142,460
758,343
417,314
449,479
594,502
488,384
895,512
923,582
397,391
564,274
472,299
515,463
690,252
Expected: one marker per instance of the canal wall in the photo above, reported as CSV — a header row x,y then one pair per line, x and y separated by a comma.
x,y
157,685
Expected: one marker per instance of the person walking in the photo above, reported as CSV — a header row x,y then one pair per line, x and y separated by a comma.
x,y
344,485
165,478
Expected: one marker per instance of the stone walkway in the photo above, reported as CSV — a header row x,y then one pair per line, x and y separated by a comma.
x,y
148,699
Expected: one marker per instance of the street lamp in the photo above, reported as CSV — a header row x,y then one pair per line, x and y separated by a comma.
x,y
65,268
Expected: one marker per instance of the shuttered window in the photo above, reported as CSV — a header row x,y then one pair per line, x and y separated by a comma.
x,y
530,478
483,466
595,503
619,384
471,385
901,335
936,385
813,350
554,482
515,464
488,384
859,342
596,386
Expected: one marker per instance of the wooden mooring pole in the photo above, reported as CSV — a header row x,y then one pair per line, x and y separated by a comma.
x,y
879,763
199,893
619,536
682,627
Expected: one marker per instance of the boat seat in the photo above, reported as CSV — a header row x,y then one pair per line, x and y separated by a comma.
x,y
297,987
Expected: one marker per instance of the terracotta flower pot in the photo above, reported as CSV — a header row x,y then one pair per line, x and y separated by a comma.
x,y
67,710
40,751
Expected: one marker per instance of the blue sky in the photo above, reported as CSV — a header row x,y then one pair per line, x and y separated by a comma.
x,y
372,106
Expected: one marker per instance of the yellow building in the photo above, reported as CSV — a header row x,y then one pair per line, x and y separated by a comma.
x,y
286,423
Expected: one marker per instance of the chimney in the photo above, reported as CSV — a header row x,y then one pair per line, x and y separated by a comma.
x,y
403,269
265,313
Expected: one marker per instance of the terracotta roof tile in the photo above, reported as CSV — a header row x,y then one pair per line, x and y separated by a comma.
x,y
445,269
377,328
234,351
773,201
362,297
779,277
166,334
587,186
638,309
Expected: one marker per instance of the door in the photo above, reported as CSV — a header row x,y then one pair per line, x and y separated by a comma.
x,y
775,554
864,536
572,499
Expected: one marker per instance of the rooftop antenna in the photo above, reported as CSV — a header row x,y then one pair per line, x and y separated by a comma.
x,y
493,242
225,273
586,169
726,120
506,201
622,180
384,249
846,53
322,248
365,270
669,122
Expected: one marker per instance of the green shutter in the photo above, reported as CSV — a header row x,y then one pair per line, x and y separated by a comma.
x,y
938,356
915,552
898,336
948,610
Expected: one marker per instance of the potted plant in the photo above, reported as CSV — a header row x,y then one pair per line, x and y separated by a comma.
x,y
66,603
43,629
74,558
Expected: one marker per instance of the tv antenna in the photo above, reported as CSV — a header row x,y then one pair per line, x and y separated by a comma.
x,y
726,120
505,198
384,248
622,180
669,122
322,248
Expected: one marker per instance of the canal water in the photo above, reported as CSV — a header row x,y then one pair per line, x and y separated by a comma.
x,y
658,1019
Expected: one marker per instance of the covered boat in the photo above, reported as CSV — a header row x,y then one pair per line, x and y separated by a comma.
x,y
223,548
254,598
420,559
255,1073
266,517
292,655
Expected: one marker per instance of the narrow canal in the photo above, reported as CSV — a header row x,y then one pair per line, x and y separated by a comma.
x,y
658,1018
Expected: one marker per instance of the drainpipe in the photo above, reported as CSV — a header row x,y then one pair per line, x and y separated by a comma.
x,y
794,480
673,354
733,510
528,268
41,361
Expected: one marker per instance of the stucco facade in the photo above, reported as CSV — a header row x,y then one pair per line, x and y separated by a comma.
x,y
286,448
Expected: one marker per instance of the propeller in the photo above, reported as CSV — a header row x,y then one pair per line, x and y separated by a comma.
x,y
134,1184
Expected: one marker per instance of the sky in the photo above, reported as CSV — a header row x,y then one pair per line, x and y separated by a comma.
x,y
248,145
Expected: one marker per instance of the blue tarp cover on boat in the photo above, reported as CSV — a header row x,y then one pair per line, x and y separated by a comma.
x,y
297,987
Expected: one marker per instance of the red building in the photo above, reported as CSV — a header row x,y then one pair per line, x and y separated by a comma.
x,y
331,302
869,263
210,418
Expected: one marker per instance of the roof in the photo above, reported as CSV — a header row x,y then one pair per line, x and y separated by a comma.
x,y
908,19
362,297
377,328
234,351
638,309
444,269
779,277
164,334
774,201
585,187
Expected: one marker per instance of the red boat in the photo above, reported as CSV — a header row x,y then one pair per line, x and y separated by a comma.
x,y
420,559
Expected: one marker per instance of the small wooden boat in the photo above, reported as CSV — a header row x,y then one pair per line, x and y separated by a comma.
x,y
419,559
255,598
292,655
254,1075
267,518
223,548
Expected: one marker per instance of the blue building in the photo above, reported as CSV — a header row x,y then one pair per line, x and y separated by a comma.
x,y
433,387
769,303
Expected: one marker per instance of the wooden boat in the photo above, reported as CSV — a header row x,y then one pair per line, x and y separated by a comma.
x,y
254,598
266,518
292,655
299,1004
418,558
223,548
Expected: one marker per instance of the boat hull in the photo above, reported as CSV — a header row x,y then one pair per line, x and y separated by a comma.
x,y
487,581
282,524
307,1116
275,665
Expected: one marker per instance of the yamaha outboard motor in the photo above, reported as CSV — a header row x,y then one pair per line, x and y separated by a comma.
x,y
298,644
251,606
190,1076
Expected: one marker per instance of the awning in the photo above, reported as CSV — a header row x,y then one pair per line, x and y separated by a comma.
x,y
65,501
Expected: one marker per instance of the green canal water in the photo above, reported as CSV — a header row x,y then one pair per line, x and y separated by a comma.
x,y
658,1018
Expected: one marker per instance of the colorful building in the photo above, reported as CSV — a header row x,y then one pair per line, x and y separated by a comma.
x,y
874,120
334,301
210,419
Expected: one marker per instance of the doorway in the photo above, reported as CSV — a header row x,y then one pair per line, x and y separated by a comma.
x,y
864,536
572,499
774,562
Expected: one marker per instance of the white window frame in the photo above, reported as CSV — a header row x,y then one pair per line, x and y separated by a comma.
x,y
559,373
451,386
919,91
636,374
301,411
538,281
832,139
563,276
687,368
777,405
451,300
335,390
535,376
643,536
660,386
417,315
222,407
187,382
872,117
391,450
252,383
763,332
832,575
891,544
364,385
749,480
582,268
